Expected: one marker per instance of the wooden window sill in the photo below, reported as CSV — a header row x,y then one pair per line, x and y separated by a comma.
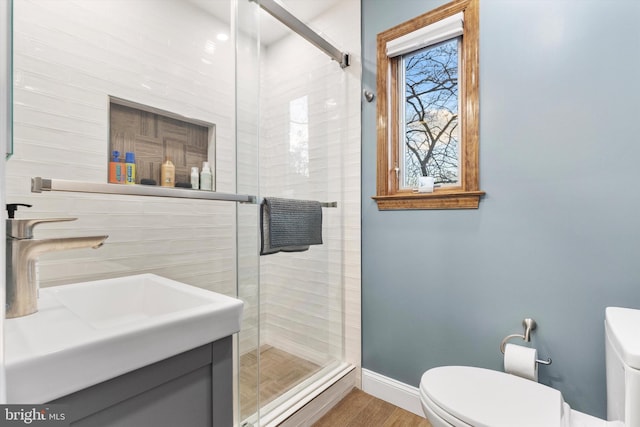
x,y
442,199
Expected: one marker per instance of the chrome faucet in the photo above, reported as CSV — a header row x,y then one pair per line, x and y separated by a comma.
x,y
22,251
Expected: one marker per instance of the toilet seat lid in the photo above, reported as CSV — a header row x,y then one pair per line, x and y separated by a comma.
x,y
486,398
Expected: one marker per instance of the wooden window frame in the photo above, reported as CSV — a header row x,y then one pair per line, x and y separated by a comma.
x,y
466,195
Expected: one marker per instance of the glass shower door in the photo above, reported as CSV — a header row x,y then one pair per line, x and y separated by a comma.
x,y
302,138
247,88
293,141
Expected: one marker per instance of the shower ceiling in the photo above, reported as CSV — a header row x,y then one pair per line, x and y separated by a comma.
x,y
270,29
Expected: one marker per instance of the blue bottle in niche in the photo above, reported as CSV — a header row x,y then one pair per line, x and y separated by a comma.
x,y
130,168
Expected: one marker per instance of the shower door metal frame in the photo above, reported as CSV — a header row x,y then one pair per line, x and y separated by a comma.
x,y
287,18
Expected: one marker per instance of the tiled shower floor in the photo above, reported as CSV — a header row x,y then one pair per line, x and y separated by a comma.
x,y
279,372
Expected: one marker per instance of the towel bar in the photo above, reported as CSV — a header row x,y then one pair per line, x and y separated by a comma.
x,y
39,184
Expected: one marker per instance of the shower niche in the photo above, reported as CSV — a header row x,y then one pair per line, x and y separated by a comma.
x,y
154,135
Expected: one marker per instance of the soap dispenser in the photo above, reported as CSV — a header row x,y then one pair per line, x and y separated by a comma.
x,y
11,210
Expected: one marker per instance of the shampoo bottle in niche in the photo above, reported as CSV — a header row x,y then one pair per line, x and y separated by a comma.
x,y
116,169
167,174
195,178
206,178
130,168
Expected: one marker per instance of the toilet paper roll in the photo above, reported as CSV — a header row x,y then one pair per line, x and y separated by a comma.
x,y
521,361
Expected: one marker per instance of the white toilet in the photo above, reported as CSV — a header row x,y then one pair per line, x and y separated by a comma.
x,y
463,396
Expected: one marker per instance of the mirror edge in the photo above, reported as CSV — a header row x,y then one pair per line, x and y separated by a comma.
x,y
6,71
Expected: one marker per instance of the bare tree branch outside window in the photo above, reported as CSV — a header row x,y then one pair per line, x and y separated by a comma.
x,y
431,127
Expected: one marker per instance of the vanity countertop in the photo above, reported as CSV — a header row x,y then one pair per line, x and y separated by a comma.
x,y
86,333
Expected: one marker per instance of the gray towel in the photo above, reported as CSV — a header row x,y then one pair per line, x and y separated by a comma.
x,y
289,225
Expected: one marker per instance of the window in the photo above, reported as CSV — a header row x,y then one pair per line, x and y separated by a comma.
x,y
428,110
428,119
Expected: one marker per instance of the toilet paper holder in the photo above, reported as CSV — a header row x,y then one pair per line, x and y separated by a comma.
x,y
529,325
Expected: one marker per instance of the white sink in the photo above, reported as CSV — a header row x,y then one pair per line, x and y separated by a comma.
x,y
90,332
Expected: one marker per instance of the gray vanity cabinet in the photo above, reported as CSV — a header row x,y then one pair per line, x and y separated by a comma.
x,y
192,389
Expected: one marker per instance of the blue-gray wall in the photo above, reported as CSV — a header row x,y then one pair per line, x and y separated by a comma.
x,y
557,236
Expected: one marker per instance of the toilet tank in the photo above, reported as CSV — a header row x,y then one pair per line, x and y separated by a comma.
x,y
622,332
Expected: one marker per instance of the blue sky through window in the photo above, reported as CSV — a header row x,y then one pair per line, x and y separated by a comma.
x,y
431,125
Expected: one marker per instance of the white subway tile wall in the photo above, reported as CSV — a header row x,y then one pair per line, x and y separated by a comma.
x,y
310,149
71,55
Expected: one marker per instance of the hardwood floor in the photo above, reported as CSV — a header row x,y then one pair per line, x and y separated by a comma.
x,y
280,371
361,409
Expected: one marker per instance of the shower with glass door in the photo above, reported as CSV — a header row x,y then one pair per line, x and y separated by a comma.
x,y
299,143
279,112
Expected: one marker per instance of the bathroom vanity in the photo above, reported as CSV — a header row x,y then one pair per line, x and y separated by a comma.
x,y
192,389
138,351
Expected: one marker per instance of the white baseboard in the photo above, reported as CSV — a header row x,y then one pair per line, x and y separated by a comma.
x,y
392,391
